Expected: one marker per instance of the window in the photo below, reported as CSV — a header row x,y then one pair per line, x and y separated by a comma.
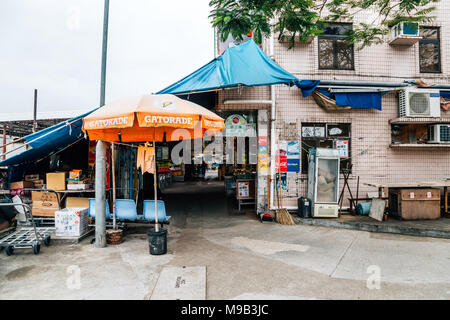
x,y
430,50
334,50
326,135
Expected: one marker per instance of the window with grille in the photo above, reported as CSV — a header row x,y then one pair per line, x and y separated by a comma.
x,y
335,52
326,135
430,50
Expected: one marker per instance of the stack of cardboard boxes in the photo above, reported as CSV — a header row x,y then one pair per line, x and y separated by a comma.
x,y
36,179
76,181
18,186
71,222
44,204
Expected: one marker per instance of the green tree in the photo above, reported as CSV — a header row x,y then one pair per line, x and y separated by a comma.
x,y
302,19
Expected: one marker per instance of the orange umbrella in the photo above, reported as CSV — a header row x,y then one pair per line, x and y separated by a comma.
x,y
148,117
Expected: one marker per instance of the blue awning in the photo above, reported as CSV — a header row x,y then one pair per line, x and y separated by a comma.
x,y
359,100
445,94
242,65
355,100
49,141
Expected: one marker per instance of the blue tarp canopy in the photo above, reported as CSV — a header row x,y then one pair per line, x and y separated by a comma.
x,y
445,94
356,100
49,141
359,100
242,65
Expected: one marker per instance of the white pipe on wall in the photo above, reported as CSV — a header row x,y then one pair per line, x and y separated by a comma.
x,y
272,130
247,101
272,147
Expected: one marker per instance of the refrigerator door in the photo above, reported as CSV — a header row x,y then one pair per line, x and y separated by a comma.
x,y
327,180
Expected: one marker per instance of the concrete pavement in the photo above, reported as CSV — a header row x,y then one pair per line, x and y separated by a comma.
x,y
244,259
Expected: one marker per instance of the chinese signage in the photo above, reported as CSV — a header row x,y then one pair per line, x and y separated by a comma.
x,y
236,126
342,147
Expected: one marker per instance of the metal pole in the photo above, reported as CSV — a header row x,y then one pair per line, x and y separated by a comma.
x,y
104,51
4,141
113,184
156,188
35,111
100,194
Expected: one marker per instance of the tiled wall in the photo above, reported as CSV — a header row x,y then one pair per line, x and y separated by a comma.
x,y
372,158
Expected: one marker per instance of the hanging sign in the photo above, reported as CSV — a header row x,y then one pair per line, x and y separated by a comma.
x,y
281,157
262,140
281,181
293,156
263,163
235,126
243,189
342,147
293,165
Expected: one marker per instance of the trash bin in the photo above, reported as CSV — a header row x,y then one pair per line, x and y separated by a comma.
x,y
304,207
157,241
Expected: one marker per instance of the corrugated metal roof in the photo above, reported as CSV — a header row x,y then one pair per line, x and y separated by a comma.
x,y
46,115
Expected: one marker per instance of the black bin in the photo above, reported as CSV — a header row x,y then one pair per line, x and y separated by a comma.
x,y
304,207
157,241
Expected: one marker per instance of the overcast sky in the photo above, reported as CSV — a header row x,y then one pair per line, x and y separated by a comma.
x,y
55,46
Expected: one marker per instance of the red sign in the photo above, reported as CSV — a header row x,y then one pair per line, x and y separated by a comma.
x,y
262,141
281,162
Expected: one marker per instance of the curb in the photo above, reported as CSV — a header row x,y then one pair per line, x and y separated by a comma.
x,y
410,231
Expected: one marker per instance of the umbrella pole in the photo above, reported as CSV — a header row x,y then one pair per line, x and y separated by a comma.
x,y
113,184
156,189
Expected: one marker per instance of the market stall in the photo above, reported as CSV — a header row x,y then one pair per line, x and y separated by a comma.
x,y
148,118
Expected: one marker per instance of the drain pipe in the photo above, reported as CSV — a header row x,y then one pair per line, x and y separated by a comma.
x,y
272,132
272,147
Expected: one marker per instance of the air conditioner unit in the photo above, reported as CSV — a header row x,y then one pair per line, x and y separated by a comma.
x,y
439,133
414,102
405,34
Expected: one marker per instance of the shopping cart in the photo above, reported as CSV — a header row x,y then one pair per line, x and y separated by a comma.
x,y
26,237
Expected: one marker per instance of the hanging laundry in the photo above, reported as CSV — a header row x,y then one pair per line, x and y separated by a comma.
x,y
146,159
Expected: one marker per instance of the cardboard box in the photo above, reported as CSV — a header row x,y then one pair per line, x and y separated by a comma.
x,y
43,196
76,202
75,174
83,181
78,186
45,204
56,180
43,212
32,177
71,222
21,185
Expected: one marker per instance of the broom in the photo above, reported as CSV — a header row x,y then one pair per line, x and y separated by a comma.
x,y
282,215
